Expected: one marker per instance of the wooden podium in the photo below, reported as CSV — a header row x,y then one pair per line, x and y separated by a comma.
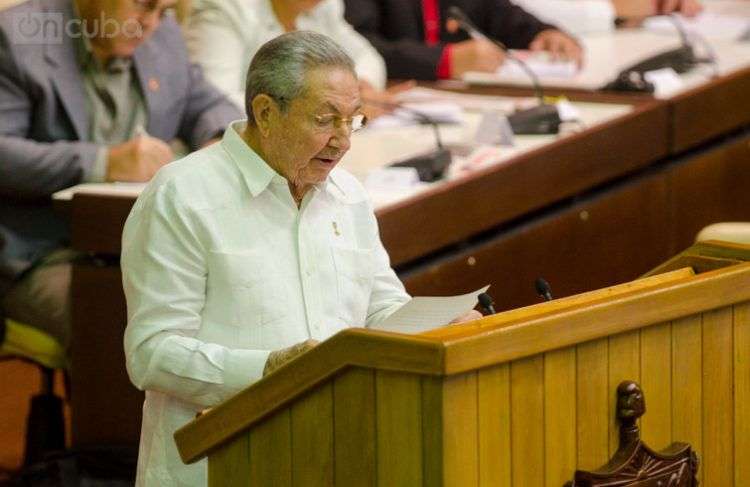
x,y
521,398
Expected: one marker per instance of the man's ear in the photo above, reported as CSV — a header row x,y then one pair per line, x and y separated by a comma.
x,y
265,109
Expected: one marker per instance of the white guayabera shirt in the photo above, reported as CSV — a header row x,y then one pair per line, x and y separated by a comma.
x,y
220,268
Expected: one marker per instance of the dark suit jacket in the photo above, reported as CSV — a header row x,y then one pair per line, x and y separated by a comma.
x,y
44,125
396,29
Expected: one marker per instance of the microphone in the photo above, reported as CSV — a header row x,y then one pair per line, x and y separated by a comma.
x,y
543,289
485,301
541,119
432,165
682,59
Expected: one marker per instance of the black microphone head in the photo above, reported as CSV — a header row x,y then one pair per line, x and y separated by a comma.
x,y
542,288
485,300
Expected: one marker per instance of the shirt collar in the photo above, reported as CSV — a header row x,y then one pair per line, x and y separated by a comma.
x,y
257,173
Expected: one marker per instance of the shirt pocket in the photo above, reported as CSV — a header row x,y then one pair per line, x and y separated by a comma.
x,y
354,280
245,288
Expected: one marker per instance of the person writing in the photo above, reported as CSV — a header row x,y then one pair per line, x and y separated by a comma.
x,y
100,103
417,42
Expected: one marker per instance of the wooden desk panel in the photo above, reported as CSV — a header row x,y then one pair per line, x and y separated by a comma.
x,y
106,407
718,107
710,187
96,222
608,239
457,210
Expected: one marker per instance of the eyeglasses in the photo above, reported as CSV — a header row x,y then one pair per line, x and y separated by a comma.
x,y
330,122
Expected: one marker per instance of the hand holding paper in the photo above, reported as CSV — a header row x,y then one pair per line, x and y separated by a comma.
x,y
424,313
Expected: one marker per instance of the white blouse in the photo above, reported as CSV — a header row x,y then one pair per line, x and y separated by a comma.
x,y
224,35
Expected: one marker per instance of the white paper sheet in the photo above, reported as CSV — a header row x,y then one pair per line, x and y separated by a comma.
x,y
707,24
424,313
540,63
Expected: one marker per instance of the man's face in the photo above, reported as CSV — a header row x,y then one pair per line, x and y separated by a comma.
x,y
123,25
307,141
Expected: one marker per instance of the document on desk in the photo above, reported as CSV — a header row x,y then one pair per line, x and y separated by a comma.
x,y
424,313
707,24
131,190
540,63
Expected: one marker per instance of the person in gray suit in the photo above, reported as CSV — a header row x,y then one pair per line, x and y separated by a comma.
x,y
90,91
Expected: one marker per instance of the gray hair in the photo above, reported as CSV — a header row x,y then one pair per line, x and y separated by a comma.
x,y
279,67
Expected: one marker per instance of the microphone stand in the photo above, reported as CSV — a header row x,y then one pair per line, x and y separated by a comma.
x,y
430,166
541,119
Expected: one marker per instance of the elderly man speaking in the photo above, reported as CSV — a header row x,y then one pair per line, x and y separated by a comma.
x,y
245,254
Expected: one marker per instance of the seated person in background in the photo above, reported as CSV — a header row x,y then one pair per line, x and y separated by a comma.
x,y
242,255
575,16
223,36
639,9
412,36
73,110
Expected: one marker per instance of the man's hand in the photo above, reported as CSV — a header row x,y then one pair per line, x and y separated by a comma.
x,y
138,159
475,55
468,316
688,8
559,44
280,357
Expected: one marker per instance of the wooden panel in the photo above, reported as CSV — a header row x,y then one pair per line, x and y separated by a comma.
x,y
656,382
230,464
577,232
719,106
312,438
527,420
624,364
721,178
718,410
592,400
354,428
461,455
590,322
271,447
98,376
433,415
97,222
559,416
351,347
399,432
742,394
494,426
687,383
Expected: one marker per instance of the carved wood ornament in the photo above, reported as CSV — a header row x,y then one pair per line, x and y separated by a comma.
x,y
635,464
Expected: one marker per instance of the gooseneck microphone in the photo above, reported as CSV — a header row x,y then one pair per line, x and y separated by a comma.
x,y
541,119
543,289
485,301
682,59
432,165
